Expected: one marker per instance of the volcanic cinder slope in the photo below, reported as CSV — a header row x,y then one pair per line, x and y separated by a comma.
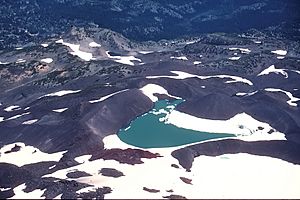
x,y
63,101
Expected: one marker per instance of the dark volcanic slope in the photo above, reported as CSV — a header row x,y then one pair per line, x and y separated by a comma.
x,y
279,149
25,77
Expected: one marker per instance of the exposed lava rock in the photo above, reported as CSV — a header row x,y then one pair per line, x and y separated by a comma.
x,y
111,172
98,194
7,194
77,174
174,196
55,187
128,156
12,175
40,168
175,166
16,148
186,180
151,190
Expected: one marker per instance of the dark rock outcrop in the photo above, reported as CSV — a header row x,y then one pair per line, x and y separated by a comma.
x,y
285,150
77,174
111,172
151,190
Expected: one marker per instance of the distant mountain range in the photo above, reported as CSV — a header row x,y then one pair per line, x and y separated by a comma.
x,y
27,20
144,20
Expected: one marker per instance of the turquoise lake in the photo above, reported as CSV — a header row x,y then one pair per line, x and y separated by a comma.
x,y
150,130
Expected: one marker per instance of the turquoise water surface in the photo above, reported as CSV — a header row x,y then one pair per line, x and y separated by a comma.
x,y
150,131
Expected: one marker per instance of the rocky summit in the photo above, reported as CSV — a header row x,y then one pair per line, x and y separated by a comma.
x,y
149,99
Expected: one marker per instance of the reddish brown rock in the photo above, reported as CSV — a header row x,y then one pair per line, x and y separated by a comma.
x,y
186,180
174,196
151,190
175,166
128,156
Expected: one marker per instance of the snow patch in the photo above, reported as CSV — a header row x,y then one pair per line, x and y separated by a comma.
x,y
14,117
4,189
277,71
12,108
60,93
292,99
127,60
179,57
83,159
183,75
20,61
242,50
76,50
47,60
145,52
60,110
245,94
20,194
151,89
107,96
30,121
280,52
191,42
272,69
51,167
241,124
44,45
94,44
27,108
234,58
27,155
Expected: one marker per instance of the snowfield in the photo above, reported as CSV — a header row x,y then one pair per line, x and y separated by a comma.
x,y
27,155
205,174
127,60
94,44
247,178
272,69
76,50
150,89
60,93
